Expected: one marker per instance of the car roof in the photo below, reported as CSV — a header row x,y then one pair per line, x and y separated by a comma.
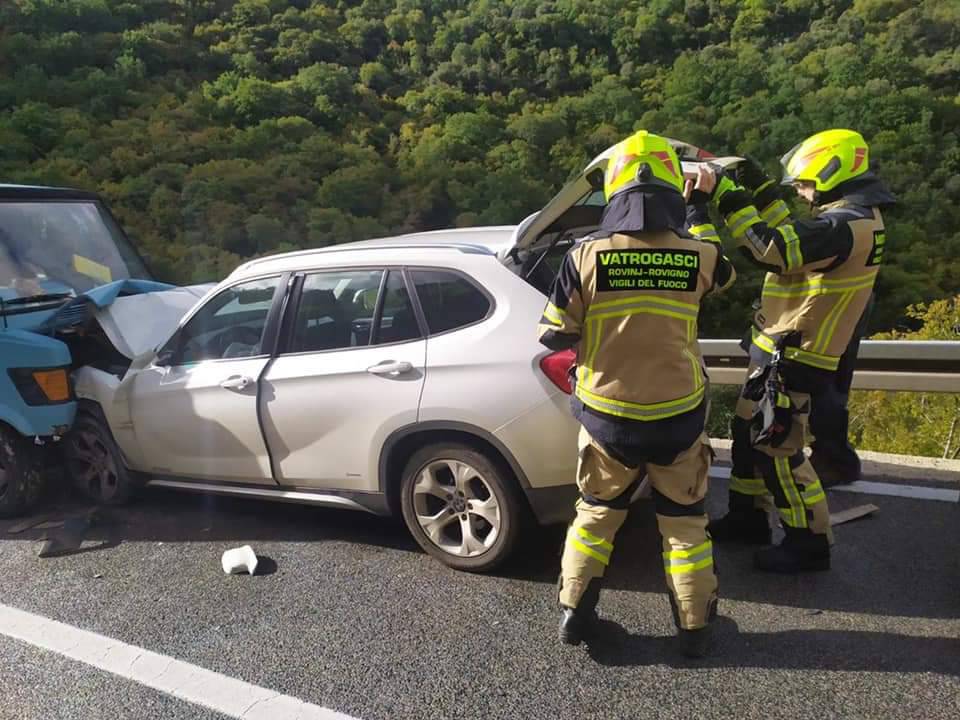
x,y
489,240
41,192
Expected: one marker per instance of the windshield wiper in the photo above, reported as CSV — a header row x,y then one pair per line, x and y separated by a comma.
x,y
23,305
41,298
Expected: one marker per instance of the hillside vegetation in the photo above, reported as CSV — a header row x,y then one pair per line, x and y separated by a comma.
x,y
221,129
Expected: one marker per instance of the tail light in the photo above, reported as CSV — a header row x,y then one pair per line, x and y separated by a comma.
x,y
557,366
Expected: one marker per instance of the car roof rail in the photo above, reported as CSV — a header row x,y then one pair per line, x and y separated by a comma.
x,y
466,248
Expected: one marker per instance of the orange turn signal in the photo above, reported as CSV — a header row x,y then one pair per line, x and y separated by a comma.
x,y
54,384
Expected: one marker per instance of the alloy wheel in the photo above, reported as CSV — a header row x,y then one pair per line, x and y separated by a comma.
x,y
93,465
456,508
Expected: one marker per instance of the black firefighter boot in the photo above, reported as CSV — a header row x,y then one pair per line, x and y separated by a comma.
x,y
833,470
800,551
744,523
575,622
697,643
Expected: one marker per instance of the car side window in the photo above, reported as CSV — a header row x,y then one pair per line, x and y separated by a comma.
x,y
229,325
449,300
398,322
336,310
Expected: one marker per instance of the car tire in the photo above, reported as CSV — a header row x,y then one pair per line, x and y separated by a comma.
x,y
461,506
21,475
94,462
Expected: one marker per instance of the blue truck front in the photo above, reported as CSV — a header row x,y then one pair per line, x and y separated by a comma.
x,y
61,253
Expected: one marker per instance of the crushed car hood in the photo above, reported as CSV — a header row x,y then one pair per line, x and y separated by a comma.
x,y
136,315
137,324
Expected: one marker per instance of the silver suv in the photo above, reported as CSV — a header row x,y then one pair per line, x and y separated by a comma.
x,y
394,376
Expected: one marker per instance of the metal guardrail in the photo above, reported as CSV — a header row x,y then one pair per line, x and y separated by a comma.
x,y
912,365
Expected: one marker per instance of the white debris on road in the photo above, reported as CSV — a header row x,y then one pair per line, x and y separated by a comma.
x,y
239,560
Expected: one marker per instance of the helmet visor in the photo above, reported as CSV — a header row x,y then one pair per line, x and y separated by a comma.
x,y
788,178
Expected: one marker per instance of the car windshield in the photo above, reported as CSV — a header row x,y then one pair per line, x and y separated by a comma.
x,y
61,247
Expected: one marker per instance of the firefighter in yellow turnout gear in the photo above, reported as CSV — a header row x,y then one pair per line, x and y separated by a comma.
x,y
627,299
820,276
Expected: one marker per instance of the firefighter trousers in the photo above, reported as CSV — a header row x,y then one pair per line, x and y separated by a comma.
x,y
606,484
782,477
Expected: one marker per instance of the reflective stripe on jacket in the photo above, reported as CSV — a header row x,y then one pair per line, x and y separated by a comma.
x,y
820,275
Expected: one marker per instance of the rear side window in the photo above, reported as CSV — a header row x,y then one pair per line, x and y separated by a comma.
x,y
449,300
336,310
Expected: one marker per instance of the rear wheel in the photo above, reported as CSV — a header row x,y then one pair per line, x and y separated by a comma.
x,y
21,476
460,506
94,462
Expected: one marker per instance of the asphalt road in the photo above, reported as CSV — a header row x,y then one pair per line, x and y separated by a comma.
x,y
357,619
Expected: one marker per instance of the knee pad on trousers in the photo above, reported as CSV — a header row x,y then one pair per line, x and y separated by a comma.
x,y
665,506
620,502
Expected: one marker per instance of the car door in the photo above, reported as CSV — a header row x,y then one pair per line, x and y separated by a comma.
x,y
194,410
350,370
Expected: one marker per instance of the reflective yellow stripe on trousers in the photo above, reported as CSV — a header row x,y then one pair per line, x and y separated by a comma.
x,y
796,514
590,545
676,562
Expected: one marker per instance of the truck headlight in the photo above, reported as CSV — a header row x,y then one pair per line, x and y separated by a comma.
x,y
42,386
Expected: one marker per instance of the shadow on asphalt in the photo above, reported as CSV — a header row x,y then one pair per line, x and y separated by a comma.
x,y
879,565
808,649
160,515
884,565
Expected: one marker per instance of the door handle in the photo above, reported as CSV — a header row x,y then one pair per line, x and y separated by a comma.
x,y
391,368
237,382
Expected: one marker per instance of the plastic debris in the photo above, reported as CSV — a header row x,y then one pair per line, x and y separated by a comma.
x,y
68,539
239,560
854,513
27,524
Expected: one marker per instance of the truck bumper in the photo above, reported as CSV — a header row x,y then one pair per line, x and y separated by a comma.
x,y
42,421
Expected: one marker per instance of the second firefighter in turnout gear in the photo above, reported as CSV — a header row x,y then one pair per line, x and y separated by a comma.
x,y
820,277
627,299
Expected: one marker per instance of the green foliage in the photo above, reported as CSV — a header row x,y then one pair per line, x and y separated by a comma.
x,y
913,423
220,129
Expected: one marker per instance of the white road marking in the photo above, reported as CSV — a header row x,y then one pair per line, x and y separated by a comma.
x,y
908,491
917,492
226,695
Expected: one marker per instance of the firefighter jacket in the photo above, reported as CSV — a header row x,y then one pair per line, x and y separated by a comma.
x,y
820,272
628,303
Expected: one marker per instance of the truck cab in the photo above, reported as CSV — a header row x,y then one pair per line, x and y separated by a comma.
x,y
61,250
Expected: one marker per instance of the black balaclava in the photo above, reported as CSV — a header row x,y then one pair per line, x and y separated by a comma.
x,y
867,190
644,211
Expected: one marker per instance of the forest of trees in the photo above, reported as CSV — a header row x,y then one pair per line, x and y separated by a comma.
x,y
223,129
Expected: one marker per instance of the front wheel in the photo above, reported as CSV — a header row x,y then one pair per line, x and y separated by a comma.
x,y
94,462
460,506
21,476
